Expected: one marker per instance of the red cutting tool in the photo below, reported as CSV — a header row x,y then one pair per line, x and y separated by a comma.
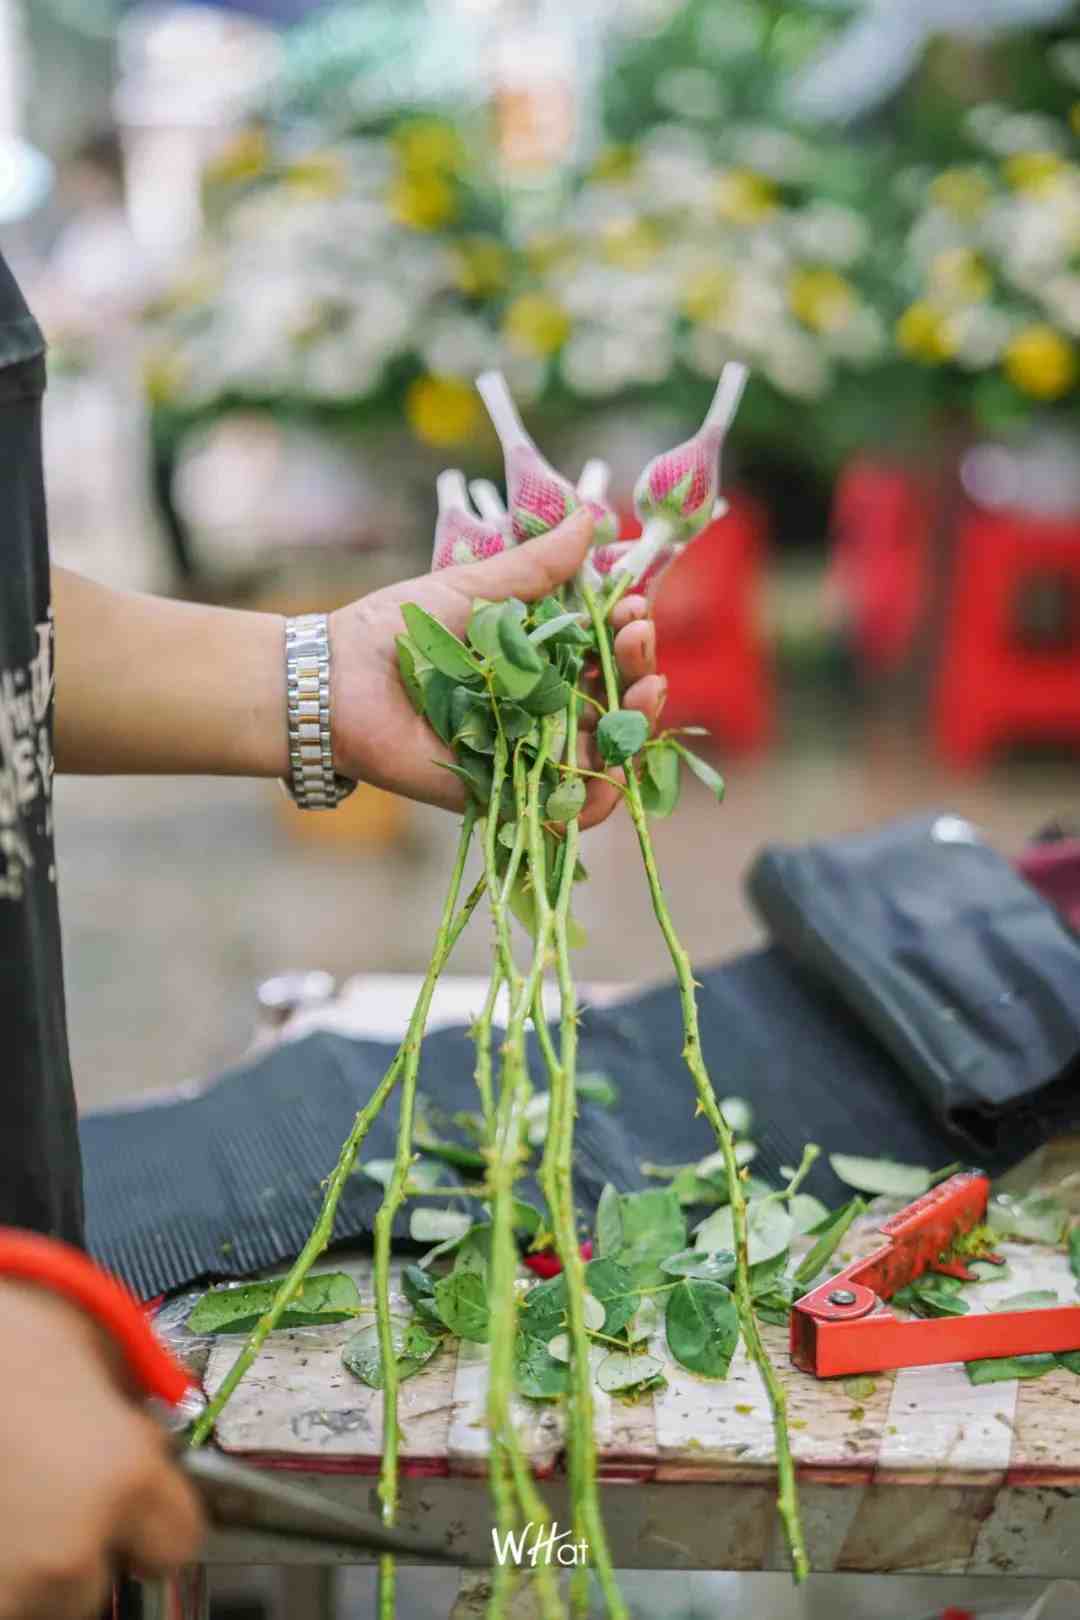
x,y
845,1325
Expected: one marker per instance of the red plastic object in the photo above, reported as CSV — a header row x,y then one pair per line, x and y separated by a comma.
x,y
546,1263
1054,870
710,643
845,1326
992,689
880,525
65,1271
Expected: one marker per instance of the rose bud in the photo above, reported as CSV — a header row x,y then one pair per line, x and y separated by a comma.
x,y
538,497
460,536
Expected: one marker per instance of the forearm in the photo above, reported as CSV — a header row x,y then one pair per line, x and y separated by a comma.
x,y
146,685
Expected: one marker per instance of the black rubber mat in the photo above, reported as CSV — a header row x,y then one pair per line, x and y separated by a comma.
x,y
229,1182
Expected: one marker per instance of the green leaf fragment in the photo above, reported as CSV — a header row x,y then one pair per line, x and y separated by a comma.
x,y
703,771
1035,1219
597,1088
1036,1299
620,735
410,677
515,645
413,1345
830,1236
566,628
536,1371
769,1230
660,779
702,1326
461,1300
1074,1251
609,1225
439,645
1003,1368
512,682
881,1176
718,1267
567,800
483,631
329,1296
623,1370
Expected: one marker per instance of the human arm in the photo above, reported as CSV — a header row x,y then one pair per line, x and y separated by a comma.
x,y
88,1486
148,685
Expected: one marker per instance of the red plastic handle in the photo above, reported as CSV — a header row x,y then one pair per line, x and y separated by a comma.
x,y
67,1272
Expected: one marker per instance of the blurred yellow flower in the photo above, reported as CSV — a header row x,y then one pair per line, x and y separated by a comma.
x,y
962,190
481,265
443,411
536,324
1034,171
821,298
546,249
707,295
319,174
959,273
424,144
629,243
423,202
743,197
922,331
615,163
243,158
1041,362
1074,117
164,374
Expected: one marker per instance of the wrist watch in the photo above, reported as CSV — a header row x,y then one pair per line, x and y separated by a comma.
x,y
312,783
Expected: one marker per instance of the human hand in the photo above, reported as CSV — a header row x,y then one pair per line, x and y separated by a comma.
x,y
379,737
87,1486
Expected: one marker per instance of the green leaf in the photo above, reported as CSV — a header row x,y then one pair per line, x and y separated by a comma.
x,y
567,800
597,1088
512,682
565,628
526,1217
483,631
882,1176
660,780
438,691
413,1344
1035,1219
612,1285
461,1300
410,677
739,1115
932,1296
1036,1299
437,1225
476,775
860,1389
1070,1360
1003,1368
1074,1251
702,1326
536,1371
807,1212
543,1313
620,735
830,1237
419,1290
622,1370
439,645
470,721
515,645
703,771
765,1275
653,1226
548,694
769,1230
609,1225
518,723
719,1267
329,1296
693,1190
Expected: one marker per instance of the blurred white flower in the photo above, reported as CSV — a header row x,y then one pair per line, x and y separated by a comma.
x,y
1061,295
774,152
829,232
733,29
860,339
796,365
977,336
526,375
457,345
1025,132
597,362
337,370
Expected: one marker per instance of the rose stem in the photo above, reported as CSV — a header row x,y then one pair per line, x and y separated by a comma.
x,y
447,938
787,1498
557,1179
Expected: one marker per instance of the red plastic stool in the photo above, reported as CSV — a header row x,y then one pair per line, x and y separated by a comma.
x,y
877,567
993,688
710,645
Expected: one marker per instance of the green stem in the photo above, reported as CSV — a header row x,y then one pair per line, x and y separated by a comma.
x,y
510,1475
324,1226
395,1193
557,1180
787,1496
